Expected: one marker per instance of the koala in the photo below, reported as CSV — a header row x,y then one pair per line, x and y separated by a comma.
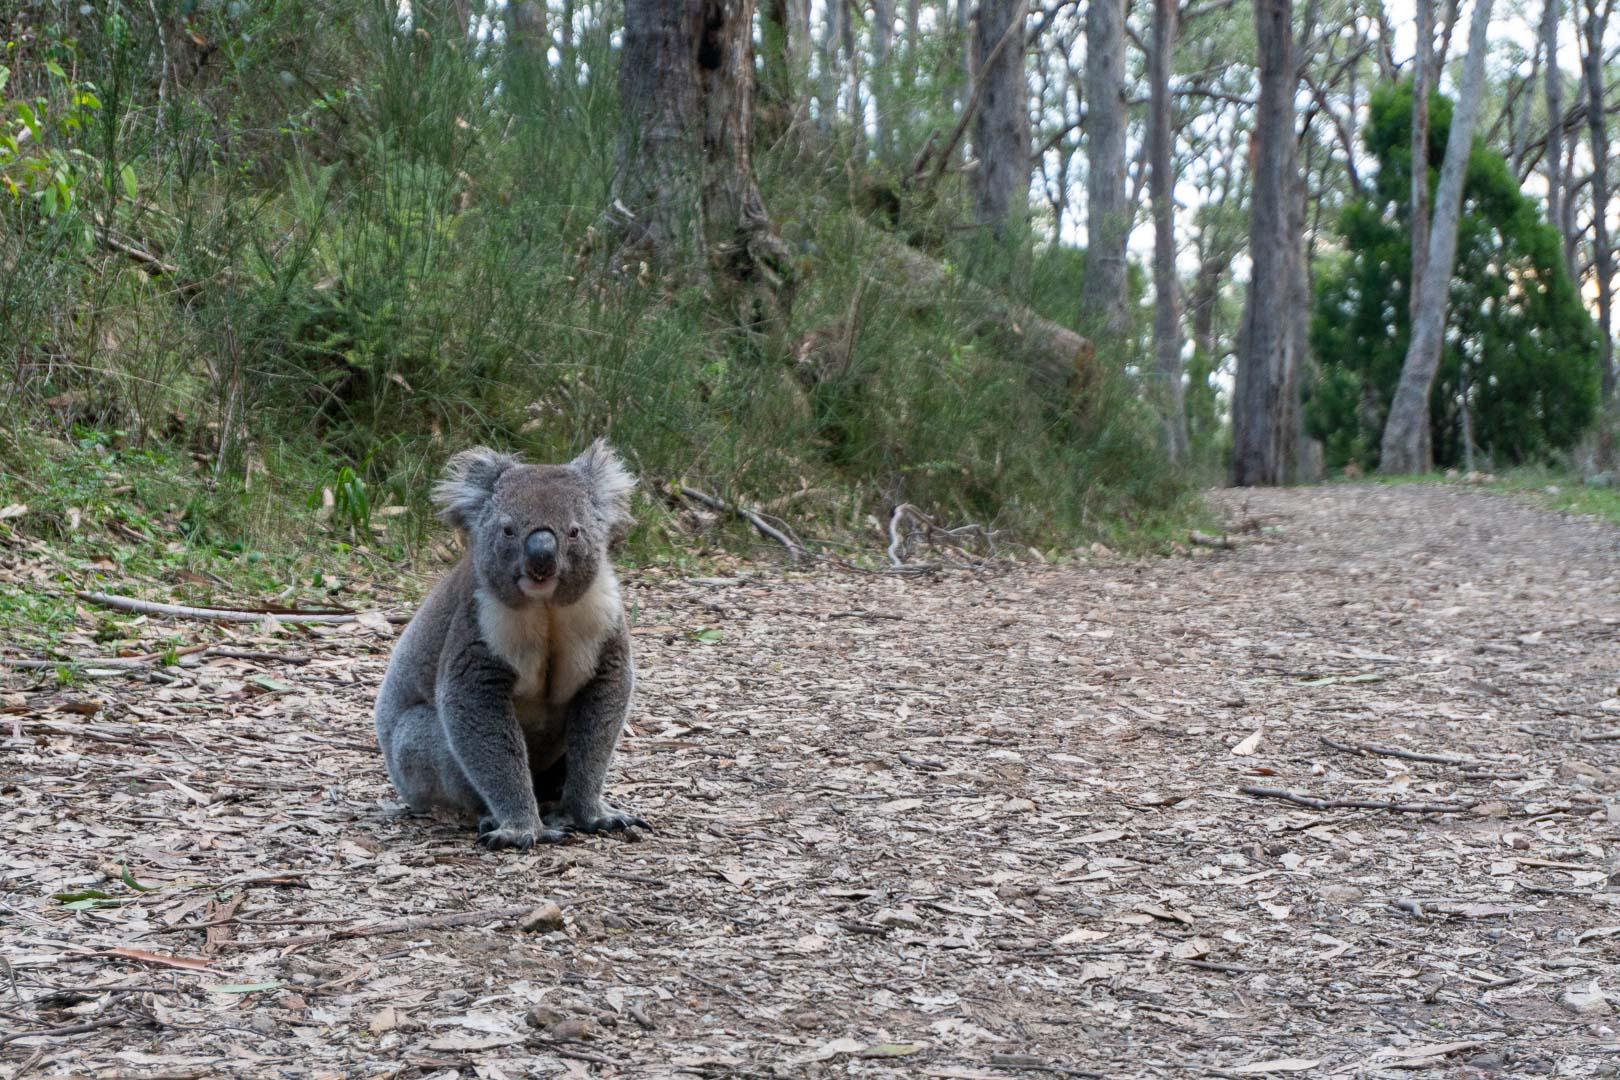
x,y
506,693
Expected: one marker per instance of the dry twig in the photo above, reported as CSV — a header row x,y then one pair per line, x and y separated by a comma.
x,y
1374,750
216,614
392,926
1355,804
931,529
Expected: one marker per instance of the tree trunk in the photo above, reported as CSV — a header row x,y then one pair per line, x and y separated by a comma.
x,y
1422,87
883,77
1206,295
908,59
827,65
526,43
1305,455
1406,444
1001,139
686,79
1262,397
1103,297
852,77
1166,311
1554,153
1597,18
776,83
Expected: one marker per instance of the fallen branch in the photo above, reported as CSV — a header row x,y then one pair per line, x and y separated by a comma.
x,y
1602,736
795,549
183,611
1374,750
114,666
1222,543
562,1048
1055,354
89,669
69,1029
1355,804
930,528
392,926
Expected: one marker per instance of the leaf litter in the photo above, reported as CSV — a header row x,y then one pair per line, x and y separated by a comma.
x,y
970,824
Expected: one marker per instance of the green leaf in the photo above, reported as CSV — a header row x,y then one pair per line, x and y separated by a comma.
x,y
127,174
886,1050
129,879
1328,680
81,896
55,69
243,988
26,111
273,685
710,637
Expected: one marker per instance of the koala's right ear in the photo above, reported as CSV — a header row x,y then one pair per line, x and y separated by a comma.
x,y
469,481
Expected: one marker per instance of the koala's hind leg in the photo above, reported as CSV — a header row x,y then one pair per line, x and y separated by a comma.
x,y
420,764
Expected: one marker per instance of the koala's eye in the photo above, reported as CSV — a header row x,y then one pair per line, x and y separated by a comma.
x,y
508,530
573,532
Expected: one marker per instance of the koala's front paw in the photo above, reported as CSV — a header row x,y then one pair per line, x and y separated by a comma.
x,y
603,818
494,836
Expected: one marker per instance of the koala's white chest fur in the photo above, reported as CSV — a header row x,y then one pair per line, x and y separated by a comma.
x,y
554,650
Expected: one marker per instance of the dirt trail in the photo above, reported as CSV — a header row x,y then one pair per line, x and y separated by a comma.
x,y
970,826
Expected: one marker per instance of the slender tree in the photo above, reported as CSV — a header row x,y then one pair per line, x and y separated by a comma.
x,y
1108,215
1406,441
883,103
1553,155
1597,123
1167,308
1422,87
1261,407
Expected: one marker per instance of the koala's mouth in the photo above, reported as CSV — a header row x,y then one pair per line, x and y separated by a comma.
x,y
536,587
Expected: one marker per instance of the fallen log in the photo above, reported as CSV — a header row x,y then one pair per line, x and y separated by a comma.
x,y
1056,354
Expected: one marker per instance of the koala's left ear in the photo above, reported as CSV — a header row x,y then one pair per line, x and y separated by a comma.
x,y
468,484
610,484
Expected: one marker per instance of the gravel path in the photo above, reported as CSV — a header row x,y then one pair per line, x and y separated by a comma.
x,y
966,826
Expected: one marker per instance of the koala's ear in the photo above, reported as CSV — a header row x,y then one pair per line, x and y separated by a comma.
x,y
469,481
610,484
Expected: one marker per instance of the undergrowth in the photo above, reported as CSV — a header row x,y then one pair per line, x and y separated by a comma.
x,y
295,256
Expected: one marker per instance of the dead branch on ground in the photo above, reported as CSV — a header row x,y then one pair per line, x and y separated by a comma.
x,y
782,535
1222,543
1356,804
216,614
1374,750
392,926
932,531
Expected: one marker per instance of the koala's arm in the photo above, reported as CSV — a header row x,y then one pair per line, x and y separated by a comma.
x,y
474,700
596,716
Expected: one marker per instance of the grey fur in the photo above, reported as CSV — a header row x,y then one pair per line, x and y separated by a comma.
x,y
505,696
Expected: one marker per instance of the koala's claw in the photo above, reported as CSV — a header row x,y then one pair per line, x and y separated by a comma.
x,y
521,837
613,821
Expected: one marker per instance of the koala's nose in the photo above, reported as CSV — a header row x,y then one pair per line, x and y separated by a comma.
x,y
540,554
